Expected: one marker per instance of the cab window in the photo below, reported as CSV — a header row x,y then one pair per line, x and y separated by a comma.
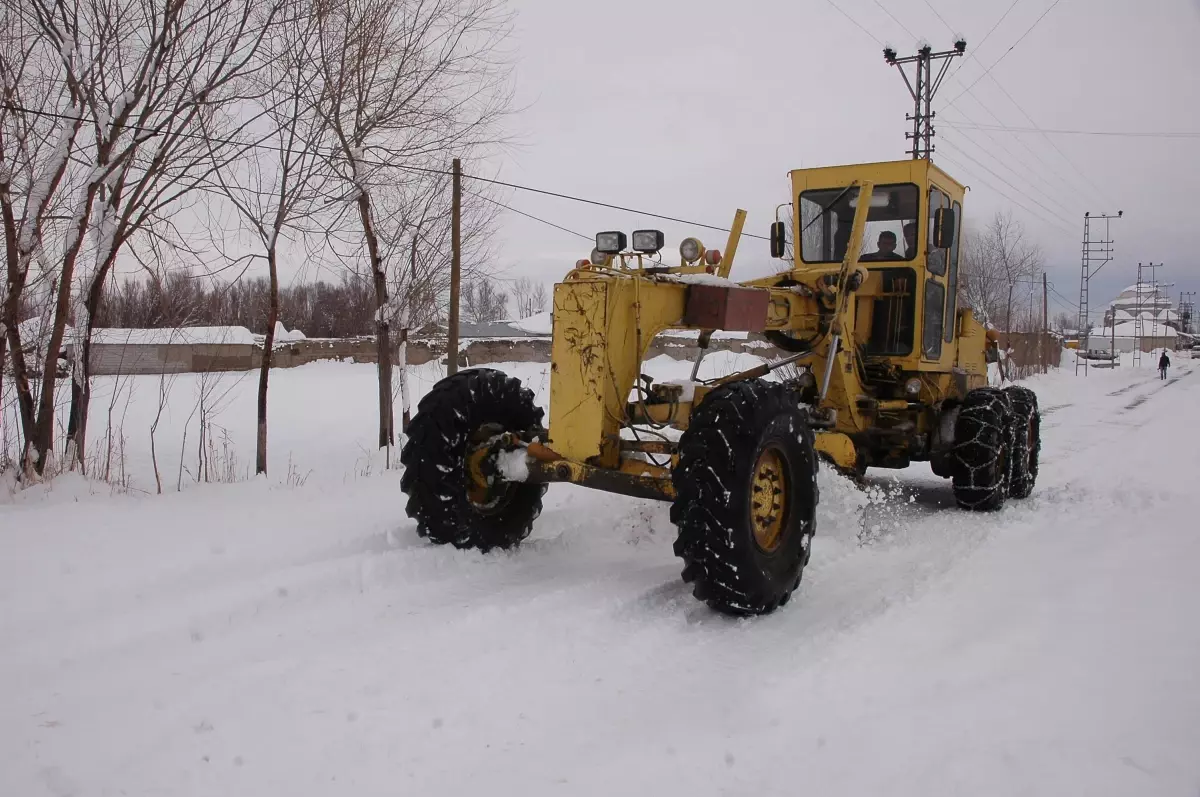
x,y
952,279
936,259
827,217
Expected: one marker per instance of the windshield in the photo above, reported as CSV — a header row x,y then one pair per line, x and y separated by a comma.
x,y
827,214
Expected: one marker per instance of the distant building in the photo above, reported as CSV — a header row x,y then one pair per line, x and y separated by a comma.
x,y
1140,300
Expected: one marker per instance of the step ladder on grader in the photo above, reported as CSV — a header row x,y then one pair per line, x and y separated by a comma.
x,y
885,368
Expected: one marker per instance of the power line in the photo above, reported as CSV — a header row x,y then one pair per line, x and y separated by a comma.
x,y
1045,164
1005,164
605,205
893,19
1043,130
987,108
529,215
1006,182
975,48
988,71
1050,141
409,168
1010,199
855,23
939,16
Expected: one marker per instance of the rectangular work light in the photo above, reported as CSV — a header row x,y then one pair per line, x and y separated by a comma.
x,y
610,243
648,241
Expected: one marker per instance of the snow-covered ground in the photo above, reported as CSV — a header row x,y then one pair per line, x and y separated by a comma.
x,y
262,638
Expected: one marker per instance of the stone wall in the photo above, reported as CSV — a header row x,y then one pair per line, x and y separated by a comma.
x,y
112,359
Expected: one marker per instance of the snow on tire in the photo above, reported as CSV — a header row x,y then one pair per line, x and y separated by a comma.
x,y
435,469
1026,440
746,497
981,458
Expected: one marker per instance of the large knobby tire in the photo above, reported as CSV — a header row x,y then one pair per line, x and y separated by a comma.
x,y
1026,440
980,460
435,467
746,497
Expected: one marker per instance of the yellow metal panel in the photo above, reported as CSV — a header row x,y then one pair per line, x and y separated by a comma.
x,y
603,324
839,448
578,374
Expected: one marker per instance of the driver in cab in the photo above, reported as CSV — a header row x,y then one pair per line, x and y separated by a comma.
x,y
885,248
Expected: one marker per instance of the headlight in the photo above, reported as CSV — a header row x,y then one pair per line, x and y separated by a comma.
x,y
648,241
610,243
599,258
691,250
913,387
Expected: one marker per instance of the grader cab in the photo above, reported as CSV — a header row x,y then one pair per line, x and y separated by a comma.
x,y
884,369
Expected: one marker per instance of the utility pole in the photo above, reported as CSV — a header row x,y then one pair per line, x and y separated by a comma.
x,y
922,90
1187,303
1044,345
455,269
1138,329
1095,253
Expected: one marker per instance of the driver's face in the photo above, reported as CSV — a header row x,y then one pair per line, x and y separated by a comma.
x,y
887,244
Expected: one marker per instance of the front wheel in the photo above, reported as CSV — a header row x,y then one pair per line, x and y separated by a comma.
x,y
459,416
746,497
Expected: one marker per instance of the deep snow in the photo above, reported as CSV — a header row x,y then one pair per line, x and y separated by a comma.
x,y
258,638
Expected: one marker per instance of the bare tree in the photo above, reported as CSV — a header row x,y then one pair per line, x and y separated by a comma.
x,y
538,299
37,134
139,76
277,188
405,85
522,294
483,301
993,262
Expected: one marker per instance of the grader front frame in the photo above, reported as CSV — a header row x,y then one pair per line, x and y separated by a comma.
x,y
890,370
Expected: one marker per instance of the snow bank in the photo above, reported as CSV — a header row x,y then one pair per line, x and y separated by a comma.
x,y
282,335
254,639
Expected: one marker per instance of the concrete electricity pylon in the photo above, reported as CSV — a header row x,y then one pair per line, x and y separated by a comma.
x,y
922,88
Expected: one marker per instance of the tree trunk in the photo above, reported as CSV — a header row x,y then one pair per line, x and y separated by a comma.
x,y
383,344
43,433
402,364
264,371
81,397
12,337
81,383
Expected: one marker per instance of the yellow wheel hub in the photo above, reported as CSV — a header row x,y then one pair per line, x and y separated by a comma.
x,y
768,500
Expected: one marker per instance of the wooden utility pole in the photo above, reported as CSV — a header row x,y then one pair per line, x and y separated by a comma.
x,y
455,270
1045,325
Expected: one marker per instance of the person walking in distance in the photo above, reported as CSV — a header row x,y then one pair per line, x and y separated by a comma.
x,y
1164,363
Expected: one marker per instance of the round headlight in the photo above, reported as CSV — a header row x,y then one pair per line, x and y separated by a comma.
x,y
599,258
913,387
691,250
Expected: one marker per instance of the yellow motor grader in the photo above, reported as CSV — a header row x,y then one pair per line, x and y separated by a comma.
x,y
883,368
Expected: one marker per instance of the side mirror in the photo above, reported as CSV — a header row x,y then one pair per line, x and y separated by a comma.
x,y
778,239
943,228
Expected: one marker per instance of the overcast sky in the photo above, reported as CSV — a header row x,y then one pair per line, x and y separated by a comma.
x,y
695,109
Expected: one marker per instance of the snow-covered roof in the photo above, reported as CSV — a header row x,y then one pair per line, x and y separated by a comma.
x,y
1129,330
180,335
536,324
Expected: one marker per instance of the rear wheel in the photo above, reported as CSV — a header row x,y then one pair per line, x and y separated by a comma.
x,y
980,461
1026,441
447,440
746,497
